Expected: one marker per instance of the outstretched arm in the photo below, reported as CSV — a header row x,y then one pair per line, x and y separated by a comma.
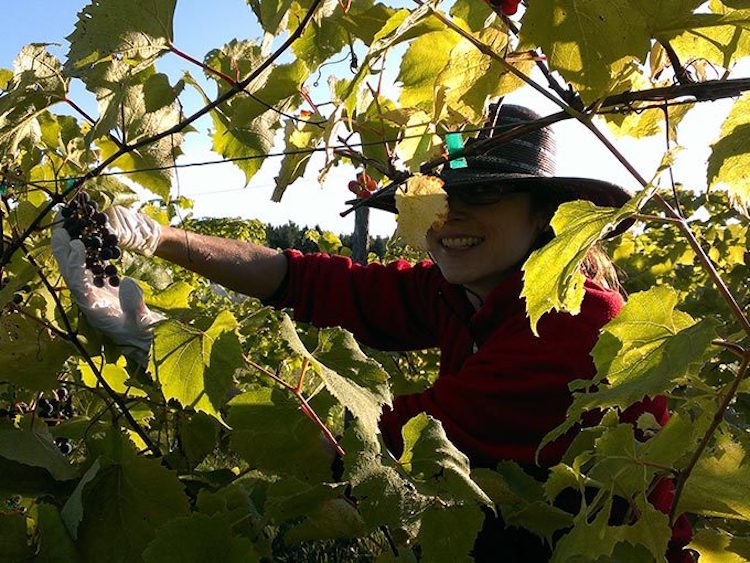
x,y
240,266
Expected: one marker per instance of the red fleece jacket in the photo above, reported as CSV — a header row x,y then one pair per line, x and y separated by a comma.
x,y
500,388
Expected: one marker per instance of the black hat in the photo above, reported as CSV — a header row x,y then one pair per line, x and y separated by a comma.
x,y
525,162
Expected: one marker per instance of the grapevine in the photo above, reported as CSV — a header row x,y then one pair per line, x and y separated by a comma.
x,y
221,446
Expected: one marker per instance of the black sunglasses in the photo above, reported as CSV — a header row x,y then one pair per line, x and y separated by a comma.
x,y
482,194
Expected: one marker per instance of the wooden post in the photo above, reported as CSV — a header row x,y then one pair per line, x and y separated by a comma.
x,y
360,237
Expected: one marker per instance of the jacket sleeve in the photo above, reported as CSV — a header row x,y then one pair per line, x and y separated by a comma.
x,y
389,307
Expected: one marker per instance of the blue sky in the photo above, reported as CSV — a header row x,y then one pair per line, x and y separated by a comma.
x,y
220,190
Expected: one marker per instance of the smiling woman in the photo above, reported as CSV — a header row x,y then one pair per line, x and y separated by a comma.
x,y
501,388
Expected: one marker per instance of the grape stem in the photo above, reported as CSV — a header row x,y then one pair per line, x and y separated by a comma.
x,y
304,405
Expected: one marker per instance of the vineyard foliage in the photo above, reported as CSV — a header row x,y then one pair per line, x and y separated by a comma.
x,y
221,448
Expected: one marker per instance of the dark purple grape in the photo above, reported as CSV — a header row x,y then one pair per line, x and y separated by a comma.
x,y
97,270
110,239
116,253
17,298
84,197
107,253
62,394
100,219
66,212
110,270
64,445
67,411
114,281
45,408
98,281
96,242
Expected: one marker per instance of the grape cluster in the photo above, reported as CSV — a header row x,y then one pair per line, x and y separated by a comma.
x,y
53,411
83,220
363,186
56,408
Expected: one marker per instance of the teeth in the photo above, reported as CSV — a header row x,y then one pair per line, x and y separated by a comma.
x,y
461,242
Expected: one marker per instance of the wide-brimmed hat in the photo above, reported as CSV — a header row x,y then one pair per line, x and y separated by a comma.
x,y
525,162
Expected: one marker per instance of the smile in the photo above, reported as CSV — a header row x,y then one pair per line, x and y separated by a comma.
x,y
460,242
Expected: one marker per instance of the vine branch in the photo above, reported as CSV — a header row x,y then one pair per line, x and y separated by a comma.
x,y
718,417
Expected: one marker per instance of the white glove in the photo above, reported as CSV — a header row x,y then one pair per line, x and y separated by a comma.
x,y
119,312
135,231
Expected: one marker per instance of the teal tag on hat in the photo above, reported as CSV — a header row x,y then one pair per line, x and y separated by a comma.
x,y
455,143
69,184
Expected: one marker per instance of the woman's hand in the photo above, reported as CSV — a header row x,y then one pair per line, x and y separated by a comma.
x,y
119,312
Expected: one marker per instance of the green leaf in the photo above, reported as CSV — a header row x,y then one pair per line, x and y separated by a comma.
x,y
730,156
332,519
719,485
6,75
438,466
37,83
13,538
323,37
196,539
272,14
721,38
420,143
198,436
521,499
471,77
359,383
137,31
718,546
29,355
271,433
175,297
158,93
125,492
235,138
590,43
384,496
145,159
657,346
448,533
196,367
364,23
552,276
475,14
299,139
650,530
421,65
35,448
648,349
55,544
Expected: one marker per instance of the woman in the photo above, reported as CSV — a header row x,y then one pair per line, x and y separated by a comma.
x,y
500,388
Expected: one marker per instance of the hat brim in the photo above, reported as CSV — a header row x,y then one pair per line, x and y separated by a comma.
x,y
599,192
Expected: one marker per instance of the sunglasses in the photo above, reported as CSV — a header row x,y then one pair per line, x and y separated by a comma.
x,y
482,194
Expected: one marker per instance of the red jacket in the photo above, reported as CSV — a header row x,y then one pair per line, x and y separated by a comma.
x,y
500,388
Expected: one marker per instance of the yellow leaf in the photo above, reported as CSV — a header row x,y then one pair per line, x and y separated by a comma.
x,y
423,204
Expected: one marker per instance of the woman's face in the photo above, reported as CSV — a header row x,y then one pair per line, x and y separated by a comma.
x,y
479,245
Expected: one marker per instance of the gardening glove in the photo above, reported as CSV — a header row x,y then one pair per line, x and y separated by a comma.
x,y
135,231
119,312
